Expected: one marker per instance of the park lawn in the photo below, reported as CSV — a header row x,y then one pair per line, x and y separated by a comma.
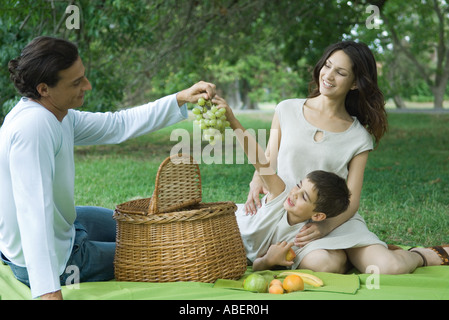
x,y
405,197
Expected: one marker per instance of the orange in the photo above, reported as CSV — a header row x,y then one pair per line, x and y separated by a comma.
x,y
292,283
276,282
276,289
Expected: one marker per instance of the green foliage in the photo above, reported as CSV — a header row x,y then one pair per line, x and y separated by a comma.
x,y
12,40
412,44
139,50
135,51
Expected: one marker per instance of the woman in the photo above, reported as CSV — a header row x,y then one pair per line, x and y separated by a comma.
x,y
333,130
44,238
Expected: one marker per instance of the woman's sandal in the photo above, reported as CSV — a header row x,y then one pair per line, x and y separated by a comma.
x,y
439,251
442,254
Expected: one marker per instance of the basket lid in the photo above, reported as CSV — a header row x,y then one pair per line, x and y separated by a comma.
x,y
178,184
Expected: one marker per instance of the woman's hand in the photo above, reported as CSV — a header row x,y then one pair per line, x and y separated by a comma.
x,y
253,203
311,231
201,89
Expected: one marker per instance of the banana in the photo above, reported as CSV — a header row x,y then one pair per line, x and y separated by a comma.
x,y
306,277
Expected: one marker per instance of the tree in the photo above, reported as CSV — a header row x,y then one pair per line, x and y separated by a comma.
x,y
271,45
420,32
255,50
21,21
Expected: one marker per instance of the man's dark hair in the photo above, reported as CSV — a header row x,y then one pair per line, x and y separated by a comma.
x,y
332,190
40,62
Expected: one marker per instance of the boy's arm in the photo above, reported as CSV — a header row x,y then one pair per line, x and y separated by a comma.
x,y
275,256
254,152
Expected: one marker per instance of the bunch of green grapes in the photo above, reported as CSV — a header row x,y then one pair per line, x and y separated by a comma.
x,y
212,121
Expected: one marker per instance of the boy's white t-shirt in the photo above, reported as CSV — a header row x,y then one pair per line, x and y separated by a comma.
x,y
268,226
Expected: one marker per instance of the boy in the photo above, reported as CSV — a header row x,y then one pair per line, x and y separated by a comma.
x,y
267,235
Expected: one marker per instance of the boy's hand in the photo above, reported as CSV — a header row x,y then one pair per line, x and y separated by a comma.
x,y
275,256
221,103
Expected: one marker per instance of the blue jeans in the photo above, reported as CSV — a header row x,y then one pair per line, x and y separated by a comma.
x,y
92,257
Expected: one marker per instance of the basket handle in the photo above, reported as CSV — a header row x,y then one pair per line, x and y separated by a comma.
x,y
178,184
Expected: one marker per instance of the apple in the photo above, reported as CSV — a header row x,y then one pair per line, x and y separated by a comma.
x,y
290,255
255,282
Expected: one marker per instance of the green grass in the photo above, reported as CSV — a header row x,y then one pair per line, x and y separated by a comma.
x,y
405,197
406,189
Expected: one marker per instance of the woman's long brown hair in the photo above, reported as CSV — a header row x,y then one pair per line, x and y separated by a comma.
x,y
367,102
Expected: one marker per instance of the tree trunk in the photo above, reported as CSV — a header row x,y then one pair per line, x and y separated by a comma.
x,y
248,103
440,87
399,102
245,90
438,94
232,95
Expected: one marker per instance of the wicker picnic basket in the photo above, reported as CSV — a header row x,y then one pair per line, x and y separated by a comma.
x,y
172,236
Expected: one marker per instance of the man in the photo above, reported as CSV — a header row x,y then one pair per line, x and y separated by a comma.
x,y
42,233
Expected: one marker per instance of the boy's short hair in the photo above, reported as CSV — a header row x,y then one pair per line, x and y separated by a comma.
x,y
332,190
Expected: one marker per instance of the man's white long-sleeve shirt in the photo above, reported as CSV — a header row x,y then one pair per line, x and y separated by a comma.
x,y
37,177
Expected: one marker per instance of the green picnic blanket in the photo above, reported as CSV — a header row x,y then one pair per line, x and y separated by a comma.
x,y
424,283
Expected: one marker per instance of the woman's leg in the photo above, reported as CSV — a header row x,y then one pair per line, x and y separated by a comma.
x,y
387,261
334,261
